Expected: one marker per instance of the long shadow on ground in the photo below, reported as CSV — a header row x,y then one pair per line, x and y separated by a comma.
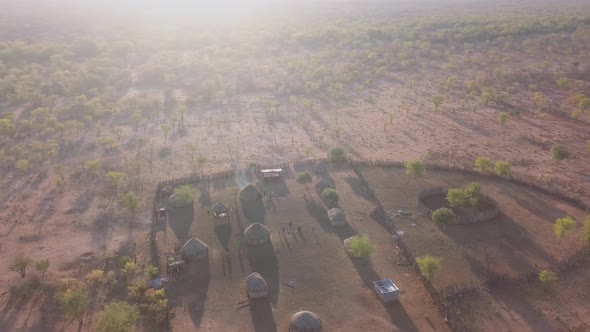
x,y
263,260
262,316
190,290
180,220
254,211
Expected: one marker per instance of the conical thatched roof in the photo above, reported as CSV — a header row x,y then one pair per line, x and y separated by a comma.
x,y
193,247
257,233
337,217
249,193
220,207
306,321
256,282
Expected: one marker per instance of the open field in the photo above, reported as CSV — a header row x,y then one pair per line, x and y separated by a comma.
x,y
99,104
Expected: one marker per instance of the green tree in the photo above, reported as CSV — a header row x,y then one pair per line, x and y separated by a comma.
x,y
483,164
337,154
42,266
304,178
93,167
116,317
437,101
184,194
503,168
74,304
360,246
428,265
442,216
22,165
166,129
559,152
330,195
456,197
584,104
131,203
20,264
486,97
503,118
562,225
415,168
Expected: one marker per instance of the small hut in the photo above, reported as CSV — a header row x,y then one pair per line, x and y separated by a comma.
x,y
257,234
337,217
305,321
194,249
256,286
250,193
220,210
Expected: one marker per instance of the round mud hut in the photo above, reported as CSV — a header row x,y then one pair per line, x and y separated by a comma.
x,y
305,321
337,217
250,193
257,234
194,250
256,286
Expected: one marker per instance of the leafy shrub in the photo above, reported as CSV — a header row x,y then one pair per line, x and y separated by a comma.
x,y
559,152
124,260
415,168
547,276
360,246
42,266
94,277
116,317
137,288
337,154
456,197
20,264
304,178
155,304
428,265
562,225
184,194
129,270
503,168
503,118
152,271
483,164
442,216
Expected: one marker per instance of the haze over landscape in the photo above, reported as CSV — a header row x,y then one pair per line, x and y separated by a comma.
x,y
260,165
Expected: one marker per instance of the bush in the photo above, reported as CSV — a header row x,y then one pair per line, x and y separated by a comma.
x,y
137,288
428,265
456,197
116,317
559,152
483,164
547,276
184,194
562,225
503,118
442,216
152,271
360,246
94,277
415,168
155,304
124,260
74,304
503,168
337,154
331,195
42,266
129,270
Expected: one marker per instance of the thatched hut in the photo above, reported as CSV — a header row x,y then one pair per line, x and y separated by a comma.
x,y
250,193
257,234
256,286
305,321
337,217
220,210
194,249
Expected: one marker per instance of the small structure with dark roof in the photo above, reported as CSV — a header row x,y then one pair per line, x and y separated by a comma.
x,y
305,321
257,234
194,249
386,290
221,210
256,286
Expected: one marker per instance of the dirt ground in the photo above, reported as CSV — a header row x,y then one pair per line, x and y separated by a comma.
x,y
326,280
516,241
